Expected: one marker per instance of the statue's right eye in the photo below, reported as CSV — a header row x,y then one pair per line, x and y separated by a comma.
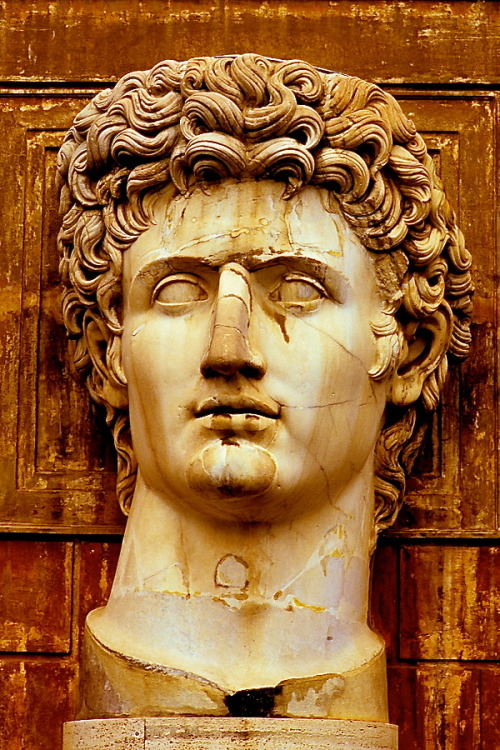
x,y
175,292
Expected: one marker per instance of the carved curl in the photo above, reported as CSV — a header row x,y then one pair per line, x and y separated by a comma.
x,y
211,118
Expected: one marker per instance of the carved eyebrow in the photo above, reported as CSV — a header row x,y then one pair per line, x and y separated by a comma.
x,y
333,279
160,267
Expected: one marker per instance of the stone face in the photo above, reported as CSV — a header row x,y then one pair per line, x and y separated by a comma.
x,y
264,278
183,733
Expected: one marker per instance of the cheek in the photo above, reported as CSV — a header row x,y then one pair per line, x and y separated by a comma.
x,y
162,369
332,406
165,351
324,360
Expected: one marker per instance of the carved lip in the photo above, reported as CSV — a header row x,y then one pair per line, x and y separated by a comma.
x,y
238,404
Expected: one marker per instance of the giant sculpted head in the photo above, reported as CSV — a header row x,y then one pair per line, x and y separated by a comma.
x,y
330,161
264,284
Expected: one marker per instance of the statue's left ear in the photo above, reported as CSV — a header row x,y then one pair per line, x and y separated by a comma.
x,y
425,344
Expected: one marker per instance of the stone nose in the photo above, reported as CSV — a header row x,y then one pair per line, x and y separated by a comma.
x,y
229,351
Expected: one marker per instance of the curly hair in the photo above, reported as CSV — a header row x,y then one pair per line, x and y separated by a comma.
x,y
247,116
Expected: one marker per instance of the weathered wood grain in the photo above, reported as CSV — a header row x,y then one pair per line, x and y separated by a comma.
x,y
36,698
413,42
437,707
450,602
490,696
35,596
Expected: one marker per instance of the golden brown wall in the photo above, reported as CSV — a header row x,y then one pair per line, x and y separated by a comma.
x,y
437,582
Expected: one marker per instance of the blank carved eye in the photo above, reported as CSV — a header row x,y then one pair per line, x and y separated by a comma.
x,y
175,292
299,294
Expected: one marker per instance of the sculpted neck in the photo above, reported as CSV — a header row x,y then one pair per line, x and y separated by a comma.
x,y
187,586
311,561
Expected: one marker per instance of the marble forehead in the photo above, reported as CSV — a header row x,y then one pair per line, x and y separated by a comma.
x,y
250,223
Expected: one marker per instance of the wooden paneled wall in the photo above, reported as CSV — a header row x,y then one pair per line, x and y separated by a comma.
x,y
436,582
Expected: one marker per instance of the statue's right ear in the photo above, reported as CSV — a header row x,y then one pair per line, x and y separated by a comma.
x,y
104,348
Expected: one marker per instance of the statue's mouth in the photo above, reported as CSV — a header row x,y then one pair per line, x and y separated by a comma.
x,y
237,413
238,405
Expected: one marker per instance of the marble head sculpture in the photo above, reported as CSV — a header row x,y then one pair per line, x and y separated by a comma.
x,y
264,283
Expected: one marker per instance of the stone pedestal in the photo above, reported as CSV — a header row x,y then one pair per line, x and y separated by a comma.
x,y
224,733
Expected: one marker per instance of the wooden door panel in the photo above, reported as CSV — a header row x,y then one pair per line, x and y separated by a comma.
x,y
35,611
437,707
65,478
58,463
454,488
418,42
448,603
36,697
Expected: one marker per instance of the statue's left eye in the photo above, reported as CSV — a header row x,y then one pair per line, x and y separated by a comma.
x,y
177,291
298,293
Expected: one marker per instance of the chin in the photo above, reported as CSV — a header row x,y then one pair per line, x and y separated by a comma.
x,y
233,480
